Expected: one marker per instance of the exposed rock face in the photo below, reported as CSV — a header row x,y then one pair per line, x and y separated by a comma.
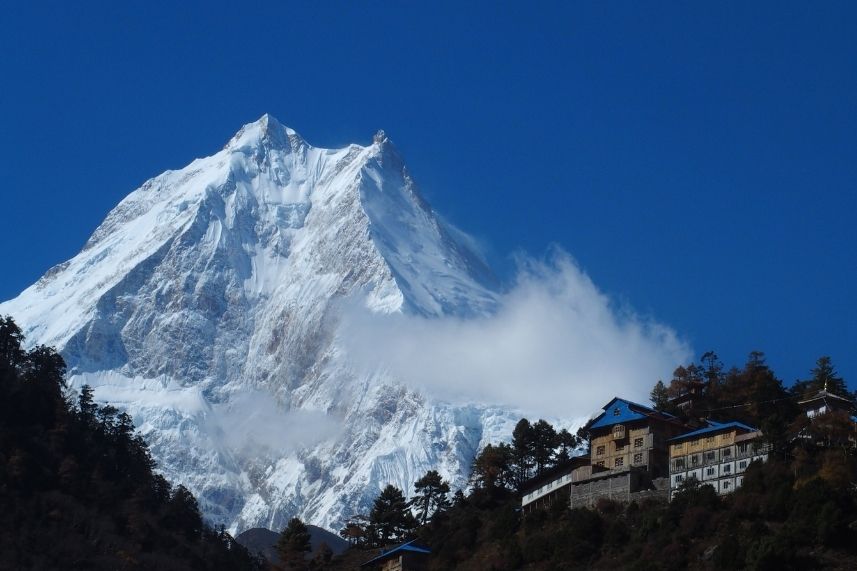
x,y
207,304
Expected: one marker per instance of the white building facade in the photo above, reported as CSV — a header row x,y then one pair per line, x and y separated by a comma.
x,y
717,455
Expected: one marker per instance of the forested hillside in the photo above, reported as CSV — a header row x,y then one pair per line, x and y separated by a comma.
x,y
77,490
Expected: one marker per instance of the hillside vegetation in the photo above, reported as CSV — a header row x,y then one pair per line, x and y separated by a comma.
x,y
77,490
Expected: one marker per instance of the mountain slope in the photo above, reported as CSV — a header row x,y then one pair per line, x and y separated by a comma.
x,y
208,305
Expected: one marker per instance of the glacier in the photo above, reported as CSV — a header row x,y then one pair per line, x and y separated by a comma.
x,y
209,302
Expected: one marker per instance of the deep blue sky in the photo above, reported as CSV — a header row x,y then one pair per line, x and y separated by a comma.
x,y
699,162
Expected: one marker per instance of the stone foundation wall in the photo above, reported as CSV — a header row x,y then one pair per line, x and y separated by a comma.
x,y
585,494
623,487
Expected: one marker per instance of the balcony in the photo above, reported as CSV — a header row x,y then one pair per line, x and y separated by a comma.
x,y
745,451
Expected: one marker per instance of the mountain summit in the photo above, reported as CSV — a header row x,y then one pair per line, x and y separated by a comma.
x,y
208,305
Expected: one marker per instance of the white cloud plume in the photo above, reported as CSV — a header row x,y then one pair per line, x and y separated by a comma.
x,y
249,423
252,423
557,346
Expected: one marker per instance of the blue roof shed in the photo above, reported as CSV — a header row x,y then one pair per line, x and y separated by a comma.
x,y
408,549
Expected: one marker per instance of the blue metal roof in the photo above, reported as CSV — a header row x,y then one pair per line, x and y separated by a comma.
x,y
621,410
714,427
411,546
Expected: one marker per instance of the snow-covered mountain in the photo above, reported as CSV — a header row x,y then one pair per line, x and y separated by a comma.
x,y
208,305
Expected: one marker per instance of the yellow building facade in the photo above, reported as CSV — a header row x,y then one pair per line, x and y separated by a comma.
x,y
628,454
717,454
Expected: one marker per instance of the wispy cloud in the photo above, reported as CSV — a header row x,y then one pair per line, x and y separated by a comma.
x,y
252,423
557,346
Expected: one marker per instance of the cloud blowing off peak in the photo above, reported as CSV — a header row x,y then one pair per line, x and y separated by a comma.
x,y
557,346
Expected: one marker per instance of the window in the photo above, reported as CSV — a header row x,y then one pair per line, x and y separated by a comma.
x,y
679,464
600,463
679,478
638,458
727,469
616,412
709,456
725,485
599,451
696,442
638,443
679,446
709,471
620,448
742,464
727,452
694,460
709,440
619,462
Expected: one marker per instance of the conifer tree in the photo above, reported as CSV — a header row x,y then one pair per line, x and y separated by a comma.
x,y
566,443
293,544
824,376
390,518
659,396
493,468
712,369
543,444
756,396
183,512
12,354
357,531
86,407
684,378
522,451
431,496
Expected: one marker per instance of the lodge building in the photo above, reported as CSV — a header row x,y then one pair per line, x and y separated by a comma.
x,y
824,405
637,453
823,402
551,487
717,454
628,456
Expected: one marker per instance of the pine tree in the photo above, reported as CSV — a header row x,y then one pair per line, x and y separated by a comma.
x,y
293,544
684,378
357,531
566,443
659,396
824,376
12,354
493,468
544,442
390,518
431,496
183,513
522,451
712,370
758,398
